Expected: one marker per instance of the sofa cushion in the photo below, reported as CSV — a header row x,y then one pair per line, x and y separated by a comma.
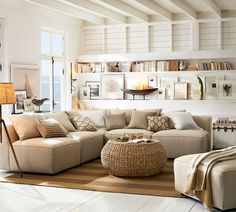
x,y
115,121
24,125
139,119
128,113
62,118
183,121
158,123
50,129
113,134
183,142
95,116
83,124
49,155
171,124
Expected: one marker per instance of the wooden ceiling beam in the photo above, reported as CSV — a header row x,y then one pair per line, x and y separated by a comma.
x,y
185,8
214,7
68,10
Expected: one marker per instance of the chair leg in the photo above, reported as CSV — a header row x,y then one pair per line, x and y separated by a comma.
x,y
12,149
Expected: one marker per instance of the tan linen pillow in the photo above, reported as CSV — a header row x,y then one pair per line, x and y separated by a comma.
x,y
139,119
24,125
83,124
157,123
115,121
63,119
128,113
157,111
49,129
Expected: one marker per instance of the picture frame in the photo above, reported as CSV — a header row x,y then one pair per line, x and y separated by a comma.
x,y
194,91
94,89
181,91
161,94
26,77
85,93
167,83
227,90
152,81
20,97
28,105
111,85
212,87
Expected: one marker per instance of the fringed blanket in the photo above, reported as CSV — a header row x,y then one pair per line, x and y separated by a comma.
x,y
198,182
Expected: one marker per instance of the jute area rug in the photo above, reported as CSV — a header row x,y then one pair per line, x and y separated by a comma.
x,y
92,176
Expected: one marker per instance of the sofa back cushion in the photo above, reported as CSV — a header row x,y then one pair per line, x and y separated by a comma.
x,y
115,121
62,118
24,125
95,116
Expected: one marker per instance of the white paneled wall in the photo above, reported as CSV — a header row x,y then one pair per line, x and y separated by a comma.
x,y
137,39
93,41
182,37
209,36
229,35
114,40
160,37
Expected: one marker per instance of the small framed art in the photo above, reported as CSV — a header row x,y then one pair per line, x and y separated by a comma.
x,y
227,90
161,94
84,93
111,85
20,97
94,89
28,105
181,90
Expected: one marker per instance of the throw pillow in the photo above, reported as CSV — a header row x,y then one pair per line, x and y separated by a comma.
x,y
156,111
83,124
63,119
183,121
54,121
49,130
128,113
115,121
157,123
171,124
139,119
24,125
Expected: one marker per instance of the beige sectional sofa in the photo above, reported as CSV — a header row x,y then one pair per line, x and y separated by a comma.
x,y
52,155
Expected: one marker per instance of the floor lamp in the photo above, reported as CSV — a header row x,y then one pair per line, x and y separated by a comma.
x,y
7,96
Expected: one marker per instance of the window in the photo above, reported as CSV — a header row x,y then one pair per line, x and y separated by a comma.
x,y
52,69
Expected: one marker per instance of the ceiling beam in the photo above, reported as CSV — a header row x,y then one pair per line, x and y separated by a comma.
x,y
131,11
68,10
214,7
96,10
185,8
156,8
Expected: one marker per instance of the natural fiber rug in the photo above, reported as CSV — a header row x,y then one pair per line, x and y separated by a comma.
x,y
92,176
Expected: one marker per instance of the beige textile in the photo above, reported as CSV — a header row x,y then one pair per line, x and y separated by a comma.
x,y
157,123
128,113
115,121
83,123
198,181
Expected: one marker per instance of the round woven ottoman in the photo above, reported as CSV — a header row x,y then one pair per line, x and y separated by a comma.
x,y
133,159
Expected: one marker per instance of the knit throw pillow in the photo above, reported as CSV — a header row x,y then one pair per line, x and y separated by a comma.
x,y
50,129
157,123
83,124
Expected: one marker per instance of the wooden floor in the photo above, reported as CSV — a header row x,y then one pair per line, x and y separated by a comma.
x,y
27,198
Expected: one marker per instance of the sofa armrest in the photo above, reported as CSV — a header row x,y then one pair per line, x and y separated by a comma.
x,y
204,122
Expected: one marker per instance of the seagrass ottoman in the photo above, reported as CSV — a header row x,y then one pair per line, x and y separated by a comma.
x,y
133,159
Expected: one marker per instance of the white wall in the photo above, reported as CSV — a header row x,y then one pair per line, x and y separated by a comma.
x,y
23,23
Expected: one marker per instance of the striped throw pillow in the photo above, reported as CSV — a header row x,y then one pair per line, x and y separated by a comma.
x,y
83,124
50,129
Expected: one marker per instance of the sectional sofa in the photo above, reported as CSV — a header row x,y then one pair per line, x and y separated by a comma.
x,y
52,155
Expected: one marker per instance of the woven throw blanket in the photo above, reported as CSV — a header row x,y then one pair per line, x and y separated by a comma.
x,y
198,182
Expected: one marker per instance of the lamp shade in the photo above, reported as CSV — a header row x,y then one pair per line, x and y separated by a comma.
x,y
7,93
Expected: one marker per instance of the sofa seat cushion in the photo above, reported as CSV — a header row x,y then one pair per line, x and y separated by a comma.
x,y
183,142
223,177
49,155
113,134
91,143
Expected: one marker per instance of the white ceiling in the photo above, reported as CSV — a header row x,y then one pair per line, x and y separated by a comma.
x,y
123,11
